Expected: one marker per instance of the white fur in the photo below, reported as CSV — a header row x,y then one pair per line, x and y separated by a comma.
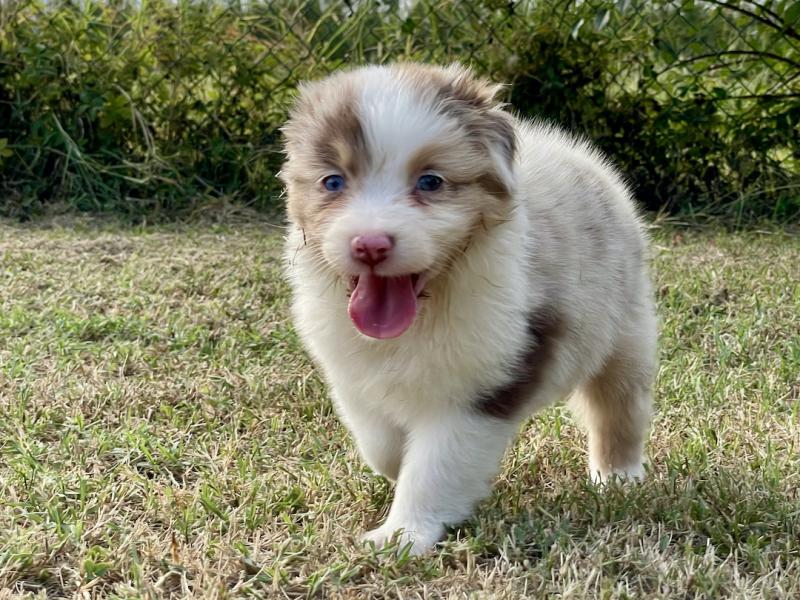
x,y
410,402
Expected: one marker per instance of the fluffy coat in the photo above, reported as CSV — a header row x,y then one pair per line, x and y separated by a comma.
x,y
531,264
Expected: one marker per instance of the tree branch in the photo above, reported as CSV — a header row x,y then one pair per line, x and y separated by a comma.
x,y
785,29
754,53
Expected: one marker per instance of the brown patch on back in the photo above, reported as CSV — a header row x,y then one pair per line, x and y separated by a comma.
x,y
545,328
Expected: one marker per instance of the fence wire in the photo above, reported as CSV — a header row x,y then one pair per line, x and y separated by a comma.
x,y
151,105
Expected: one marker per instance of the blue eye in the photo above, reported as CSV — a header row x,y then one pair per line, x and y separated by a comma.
x,y
333,183
429,183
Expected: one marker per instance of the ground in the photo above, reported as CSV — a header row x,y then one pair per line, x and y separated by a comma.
x,y
162,433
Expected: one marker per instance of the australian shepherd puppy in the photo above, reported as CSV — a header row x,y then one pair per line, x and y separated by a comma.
x,y
455,268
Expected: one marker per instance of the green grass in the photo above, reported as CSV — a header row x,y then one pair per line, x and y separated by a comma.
x,y
162,433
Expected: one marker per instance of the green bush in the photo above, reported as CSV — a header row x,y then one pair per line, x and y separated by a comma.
x,y
156,108
145,110
696,104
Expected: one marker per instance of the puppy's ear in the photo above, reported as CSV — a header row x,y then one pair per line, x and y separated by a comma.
x,y
473,101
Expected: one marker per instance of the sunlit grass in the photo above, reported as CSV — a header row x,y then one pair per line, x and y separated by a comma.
x,y
162,432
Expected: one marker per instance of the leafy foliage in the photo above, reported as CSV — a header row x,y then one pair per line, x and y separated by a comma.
x,y
155,108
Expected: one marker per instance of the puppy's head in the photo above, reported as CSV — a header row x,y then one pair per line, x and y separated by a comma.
x,y
389,173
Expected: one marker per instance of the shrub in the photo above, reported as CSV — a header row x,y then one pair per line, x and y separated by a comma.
x,y
155,108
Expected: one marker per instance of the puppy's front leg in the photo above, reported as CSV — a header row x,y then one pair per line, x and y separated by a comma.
x,y
447,468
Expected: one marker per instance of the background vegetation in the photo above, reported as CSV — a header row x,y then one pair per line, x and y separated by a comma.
x,y
162,432
154,108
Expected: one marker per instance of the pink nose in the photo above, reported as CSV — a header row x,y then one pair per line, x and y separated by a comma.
x,y
371,248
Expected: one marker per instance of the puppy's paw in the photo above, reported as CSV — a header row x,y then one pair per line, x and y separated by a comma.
x,y
634,472
421,539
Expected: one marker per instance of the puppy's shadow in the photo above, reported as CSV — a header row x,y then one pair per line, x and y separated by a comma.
x,y
528,519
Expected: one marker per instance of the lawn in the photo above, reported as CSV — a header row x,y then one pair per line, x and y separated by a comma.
x,y
162,433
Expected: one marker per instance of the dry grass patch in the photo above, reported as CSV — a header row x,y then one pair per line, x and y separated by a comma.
x,y
163,434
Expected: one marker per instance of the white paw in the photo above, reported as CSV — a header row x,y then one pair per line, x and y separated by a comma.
x,y
421,539
634,472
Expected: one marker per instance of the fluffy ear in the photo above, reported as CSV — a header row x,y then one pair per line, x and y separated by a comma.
x,y
473,101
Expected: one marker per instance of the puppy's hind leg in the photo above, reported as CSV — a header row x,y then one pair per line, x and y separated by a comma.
x,y
615,407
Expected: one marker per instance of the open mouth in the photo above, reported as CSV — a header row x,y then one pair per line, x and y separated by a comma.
x,y
385,307
418,280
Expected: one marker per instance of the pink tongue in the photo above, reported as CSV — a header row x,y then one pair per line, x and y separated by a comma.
x,y
383,307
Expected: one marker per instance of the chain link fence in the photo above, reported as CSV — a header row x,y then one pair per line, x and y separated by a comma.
x,y
157,107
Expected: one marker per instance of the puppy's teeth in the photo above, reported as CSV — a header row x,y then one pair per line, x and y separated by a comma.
x,y
419,283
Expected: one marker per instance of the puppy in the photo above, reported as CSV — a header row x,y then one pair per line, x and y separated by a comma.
x,y
455,268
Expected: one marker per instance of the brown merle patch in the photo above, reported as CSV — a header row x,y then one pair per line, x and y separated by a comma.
x,y
545,329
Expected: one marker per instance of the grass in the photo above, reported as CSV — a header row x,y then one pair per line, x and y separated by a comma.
x,y
162,433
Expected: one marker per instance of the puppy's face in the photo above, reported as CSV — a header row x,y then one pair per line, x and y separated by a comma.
x,y
390,171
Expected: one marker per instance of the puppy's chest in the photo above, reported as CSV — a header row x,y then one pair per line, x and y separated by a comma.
x,y
432,369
